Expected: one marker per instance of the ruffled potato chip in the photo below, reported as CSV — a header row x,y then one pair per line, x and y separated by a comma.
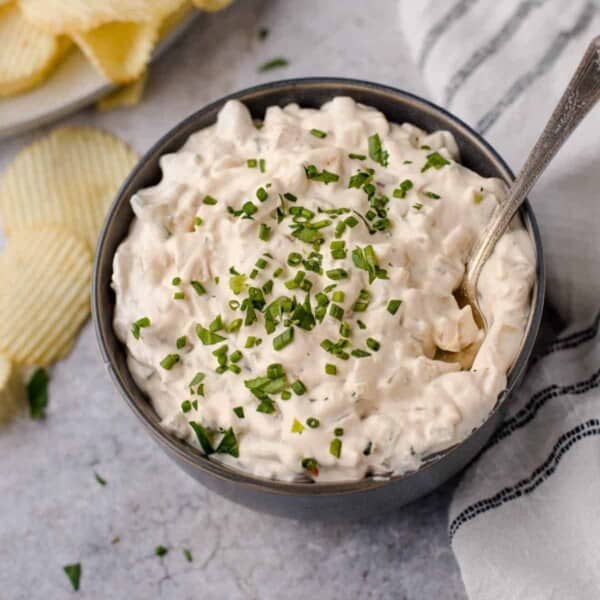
x,y
27,54
68,16
45,276
119,51
66,178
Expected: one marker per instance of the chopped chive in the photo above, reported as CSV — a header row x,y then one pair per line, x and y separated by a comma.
x,y
297,427
250,342
176,281
262,194
198,378
357,353
275,63
237,283
264,232
357,156
435,160
433,195
139,324
235,325
330,369
235,356
252,163
186,406
283,339
318,133
477,198
235,369
178,296
207,337
336,311
335,447
339,431
233,304
198,287
262,165
239,411
345,330
337,274
373,344
160,551
360,324
294,259
376,150
198,221
393,306
188,555
400,192
169,361
324,176
338,296
209,200
216,324
73,572
298,387
312,422
278,271
417,206
275,370
407,162
181,342
100,479
290,197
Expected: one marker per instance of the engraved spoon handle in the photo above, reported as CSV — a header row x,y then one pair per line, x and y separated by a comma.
x,y
579,97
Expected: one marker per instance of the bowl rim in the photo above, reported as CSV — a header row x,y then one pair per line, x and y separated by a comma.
x,y
192,457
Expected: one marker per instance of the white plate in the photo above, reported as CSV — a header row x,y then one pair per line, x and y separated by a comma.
x,y
71,86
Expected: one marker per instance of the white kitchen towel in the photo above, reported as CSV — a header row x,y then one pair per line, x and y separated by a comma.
x,y
525,519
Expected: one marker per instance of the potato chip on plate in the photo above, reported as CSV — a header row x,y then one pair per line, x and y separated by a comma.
x,y
12,390
119,51
68,16
27,54
68,177
125,96
45,277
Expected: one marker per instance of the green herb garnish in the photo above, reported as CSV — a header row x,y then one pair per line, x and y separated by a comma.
x,y
393,306
198,287
208,337
37,393
402,189
239,412
100,479
73,572
376,151
275,63
435,160
283,339
323,176
188,555
335,447
160,551
318,133
169,361
209,200
181,342
330,369
139,324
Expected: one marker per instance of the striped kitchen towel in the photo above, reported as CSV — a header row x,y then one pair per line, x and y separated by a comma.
x,y
525,519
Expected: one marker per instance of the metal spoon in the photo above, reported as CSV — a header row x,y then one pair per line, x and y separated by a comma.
x,y
580,96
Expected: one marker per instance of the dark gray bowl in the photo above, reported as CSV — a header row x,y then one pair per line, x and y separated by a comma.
x,y
326,500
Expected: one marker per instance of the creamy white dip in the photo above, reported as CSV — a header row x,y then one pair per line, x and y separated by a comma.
x,y
408,224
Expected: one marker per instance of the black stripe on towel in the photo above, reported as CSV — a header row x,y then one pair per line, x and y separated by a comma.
x,y
543,66
527,486
438,30
537,401
572,340
504,35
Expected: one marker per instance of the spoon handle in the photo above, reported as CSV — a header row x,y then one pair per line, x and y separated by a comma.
x,y
579,97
